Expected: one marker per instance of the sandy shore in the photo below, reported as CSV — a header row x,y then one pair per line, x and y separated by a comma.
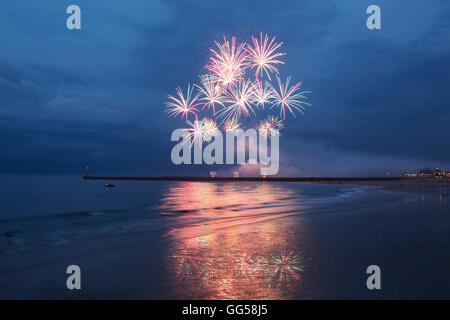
x,y
442,185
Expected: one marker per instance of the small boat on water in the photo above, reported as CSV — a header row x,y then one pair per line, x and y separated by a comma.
x,y
109,185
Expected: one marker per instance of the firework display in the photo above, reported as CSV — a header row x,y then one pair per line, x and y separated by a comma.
x,y
182,105
201,130
268,126
236,87
262,55
231,124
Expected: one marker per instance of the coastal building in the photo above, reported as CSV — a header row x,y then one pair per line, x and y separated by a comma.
x,y
428,173
439,173
425,173
410,175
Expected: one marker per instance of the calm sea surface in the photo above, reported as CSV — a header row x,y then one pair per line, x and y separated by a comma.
x,y
220,240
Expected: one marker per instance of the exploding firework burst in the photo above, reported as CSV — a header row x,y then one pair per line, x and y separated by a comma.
x,y
228,62
231,124
210,127
200,130
263,57
231,94
288,98
269,127
240,100
262,93
210,92
183,105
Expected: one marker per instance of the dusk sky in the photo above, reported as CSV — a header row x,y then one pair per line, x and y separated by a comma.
x,y
70,98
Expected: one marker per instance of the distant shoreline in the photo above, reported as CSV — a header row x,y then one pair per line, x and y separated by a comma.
x,y
261,179
331,180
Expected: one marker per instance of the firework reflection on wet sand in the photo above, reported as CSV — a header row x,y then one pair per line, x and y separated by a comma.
x,y
237,245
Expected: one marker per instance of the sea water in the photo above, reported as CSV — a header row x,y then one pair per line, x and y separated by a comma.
x,y
224,240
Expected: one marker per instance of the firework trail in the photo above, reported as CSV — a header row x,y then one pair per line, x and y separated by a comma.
x,y
200,130
262,55
240,100
210,92
262,93
183,105
288,98
268,127
231,124
228,63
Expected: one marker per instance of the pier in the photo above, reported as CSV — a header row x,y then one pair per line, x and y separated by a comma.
x,y
255,179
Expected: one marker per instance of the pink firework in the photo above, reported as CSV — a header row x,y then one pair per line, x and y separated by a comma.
x,y
210,92
231,124
288,98
262,93
232,92
239,99
228,63
183,105
210,127
268,127
200,130
263,57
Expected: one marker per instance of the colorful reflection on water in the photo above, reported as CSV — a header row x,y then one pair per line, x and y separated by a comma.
x,y
233,241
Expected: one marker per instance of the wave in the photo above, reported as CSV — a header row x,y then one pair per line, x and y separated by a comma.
x,y
217,209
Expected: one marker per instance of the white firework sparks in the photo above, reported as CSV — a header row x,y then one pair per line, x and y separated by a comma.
x,y
210,92
239,99
288,98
